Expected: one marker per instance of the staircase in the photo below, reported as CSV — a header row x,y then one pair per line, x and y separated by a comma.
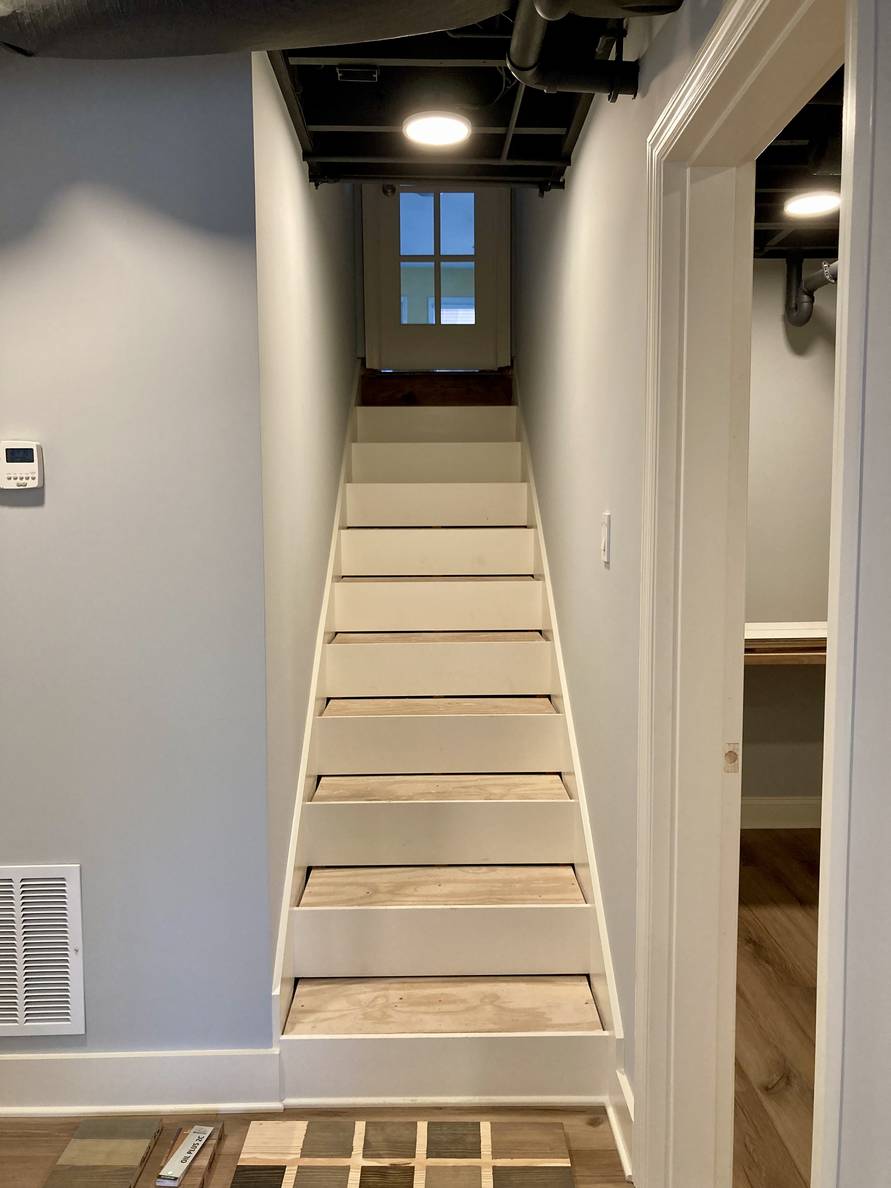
x,y
441,934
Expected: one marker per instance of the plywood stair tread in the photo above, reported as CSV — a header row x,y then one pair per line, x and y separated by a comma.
x,y
361,707
445,577
389,637
440,886
442,1006
421,788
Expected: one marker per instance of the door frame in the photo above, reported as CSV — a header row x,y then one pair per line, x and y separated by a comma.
x,y
762,60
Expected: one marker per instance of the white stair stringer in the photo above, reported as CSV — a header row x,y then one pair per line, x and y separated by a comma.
x,y
461,954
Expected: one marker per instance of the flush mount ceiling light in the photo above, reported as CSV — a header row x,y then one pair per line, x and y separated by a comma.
x,y
436,129
815,202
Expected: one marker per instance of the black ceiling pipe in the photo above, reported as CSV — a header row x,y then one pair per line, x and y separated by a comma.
x,y
800,289
530,61
172,28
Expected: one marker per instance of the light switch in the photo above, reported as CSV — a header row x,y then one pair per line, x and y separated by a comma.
x,y
605,538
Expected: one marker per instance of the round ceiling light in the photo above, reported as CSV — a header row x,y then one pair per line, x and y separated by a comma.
x,y
815,202
436,129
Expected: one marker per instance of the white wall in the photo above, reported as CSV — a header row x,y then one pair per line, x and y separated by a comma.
x,y
790,454
132,725
580,281
307,301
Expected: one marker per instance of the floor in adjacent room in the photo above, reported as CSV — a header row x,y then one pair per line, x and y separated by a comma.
x,y
776,1007
29,1147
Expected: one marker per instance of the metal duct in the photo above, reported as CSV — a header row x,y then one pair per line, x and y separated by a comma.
x,y
800,289
172,28
535,60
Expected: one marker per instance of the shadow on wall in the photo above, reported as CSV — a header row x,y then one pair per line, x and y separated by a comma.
x,y
783,731
51,140
818,333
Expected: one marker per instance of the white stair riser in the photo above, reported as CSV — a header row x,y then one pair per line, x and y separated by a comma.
x,y
460,833
436,462
381,942
437,606
435,551
372,505
443,423
440,744
438,669
469,1069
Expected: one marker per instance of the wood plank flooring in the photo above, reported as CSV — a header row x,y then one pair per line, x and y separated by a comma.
x,y
776,1007
439,886
439,1006
417,788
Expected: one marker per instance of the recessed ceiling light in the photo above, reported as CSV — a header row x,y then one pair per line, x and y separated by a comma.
x,y
436,129
815,202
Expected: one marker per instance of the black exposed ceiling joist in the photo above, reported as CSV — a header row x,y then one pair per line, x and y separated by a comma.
x,y
287,85
380,60
485,130
488,162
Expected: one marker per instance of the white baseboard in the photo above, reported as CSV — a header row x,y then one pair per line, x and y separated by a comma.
x,y
620,1112
781,812
134,1082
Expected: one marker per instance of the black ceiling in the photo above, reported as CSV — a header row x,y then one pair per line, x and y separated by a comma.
x,y
805,156
352,99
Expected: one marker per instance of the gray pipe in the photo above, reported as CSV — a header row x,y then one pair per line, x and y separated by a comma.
x,y
530,63
800,289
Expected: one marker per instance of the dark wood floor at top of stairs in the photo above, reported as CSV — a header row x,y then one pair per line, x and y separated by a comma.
x,y
412,388
29,1147
776,1007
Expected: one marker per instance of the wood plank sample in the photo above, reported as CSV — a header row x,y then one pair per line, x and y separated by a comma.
x,y
355,707
441,1006
434,886
426,788
199,1169
105,1153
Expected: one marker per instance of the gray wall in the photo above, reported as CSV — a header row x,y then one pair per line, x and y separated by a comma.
x,y
307,285
132,724
580,310
790,454
787,559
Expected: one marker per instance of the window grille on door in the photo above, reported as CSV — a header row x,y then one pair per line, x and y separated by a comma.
x,y
437,258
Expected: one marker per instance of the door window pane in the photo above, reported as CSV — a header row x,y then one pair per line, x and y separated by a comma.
x,y
456,224
416,224
457,298
417,303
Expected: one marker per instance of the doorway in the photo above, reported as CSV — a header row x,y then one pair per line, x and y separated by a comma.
x,y
759,65
437,277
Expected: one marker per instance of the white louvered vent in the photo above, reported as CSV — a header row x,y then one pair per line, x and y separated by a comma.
x,y
41,953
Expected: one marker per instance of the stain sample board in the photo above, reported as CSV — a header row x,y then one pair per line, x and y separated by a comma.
x,y
404,1154
105,1153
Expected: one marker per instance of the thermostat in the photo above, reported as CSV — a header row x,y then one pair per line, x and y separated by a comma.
x,y
21,465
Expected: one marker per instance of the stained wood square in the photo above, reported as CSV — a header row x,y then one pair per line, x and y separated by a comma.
x,y
390,1140
92,1177
453,1177
323,1177
533,1140
387,1177
453,1140
103,1153
118,1128
532,1177
258,1177
329,1139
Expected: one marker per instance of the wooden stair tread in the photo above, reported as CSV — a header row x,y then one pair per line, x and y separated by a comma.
x,y
388,637
442,1006
445,577
420,788
363,707
439,886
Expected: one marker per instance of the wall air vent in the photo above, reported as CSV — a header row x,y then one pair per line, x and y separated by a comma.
x,y
41,951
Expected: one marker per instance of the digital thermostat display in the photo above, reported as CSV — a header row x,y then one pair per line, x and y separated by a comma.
x,y
21,465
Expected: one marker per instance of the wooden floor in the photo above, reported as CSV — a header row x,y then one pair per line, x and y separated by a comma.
x,y
334,789
30,1147
436,886
776,1007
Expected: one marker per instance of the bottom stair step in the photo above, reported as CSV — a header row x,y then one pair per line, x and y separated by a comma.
x,y
442,1006
445,1041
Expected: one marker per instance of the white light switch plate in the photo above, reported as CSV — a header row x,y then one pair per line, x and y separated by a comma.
x,y
605,538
